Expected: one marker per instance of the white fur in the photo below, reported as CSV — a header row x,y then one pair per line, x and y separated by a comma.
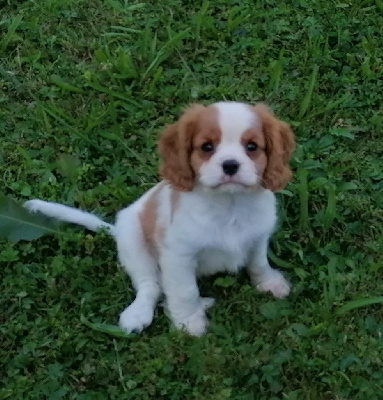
x,y
68,214
210,231
234,119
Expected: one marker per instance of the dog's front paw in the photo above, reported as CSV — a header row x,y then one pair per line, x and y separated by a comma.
x,y
195,324
276,284
136,317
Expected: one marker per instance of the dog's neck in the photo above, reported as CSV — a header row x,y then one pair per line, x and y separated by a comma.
x,y
228,199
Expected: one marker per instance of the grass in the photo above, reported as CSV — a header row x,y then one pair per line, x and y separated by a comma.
x,y
85,89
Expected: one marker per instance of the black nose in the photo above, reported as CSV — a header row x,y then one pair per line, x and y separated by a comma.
x,y
230,167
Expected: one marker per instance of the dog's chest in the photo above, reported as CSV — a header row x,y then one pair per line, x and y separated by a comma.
x,y
232,224
222,234
225,244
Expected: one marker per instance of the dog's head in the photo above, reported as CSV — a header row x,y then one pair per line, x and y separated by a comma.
x,y
227,146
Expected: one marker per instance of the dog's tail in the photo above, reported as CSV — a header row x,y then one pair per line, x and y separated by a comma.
x,y
68,214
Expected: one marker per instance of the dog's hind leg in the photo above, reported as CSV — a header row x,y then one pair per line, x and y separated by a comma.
x,y
143,271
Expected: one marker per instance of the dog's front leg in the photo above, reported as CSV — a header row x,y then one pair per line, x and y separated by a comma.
x,y
264,277
179,282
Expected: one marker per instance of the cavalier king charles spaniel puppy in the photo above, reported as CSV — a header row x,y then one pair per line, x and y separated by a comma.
x,y
214,211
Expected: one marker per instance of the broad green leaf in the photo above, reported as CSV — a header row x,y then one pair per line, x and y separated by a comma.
x,y
68,166
296,330
347,186
101,56
270,310
16,223
225,281
342,132
276,68
283,356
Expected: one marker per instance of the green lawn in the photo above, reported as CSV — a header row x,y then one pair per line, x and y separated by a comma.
x,y
85,88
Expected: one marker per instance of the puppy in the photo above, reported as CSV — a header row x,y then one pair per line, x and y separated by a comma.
x,y
214,211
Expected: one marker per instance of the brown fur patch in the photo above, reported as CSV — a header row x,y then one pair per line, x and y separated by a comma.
x,y
279,146
207,132
258,156
149,221
177,146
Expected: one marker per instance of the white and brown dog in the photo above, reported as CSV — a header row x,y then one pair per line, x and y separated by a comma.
x,y
214,211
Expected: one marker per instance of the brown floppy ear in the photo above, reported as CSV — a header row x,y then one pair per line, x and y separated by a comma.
x,y
175,147
280,144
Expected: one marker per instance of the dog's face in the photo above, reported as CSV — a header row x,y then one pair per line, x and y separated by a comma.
x,y
227,147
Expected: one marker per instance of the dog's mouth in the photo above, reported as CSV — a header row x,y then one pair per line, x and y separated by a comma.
x,y
233,184
230,182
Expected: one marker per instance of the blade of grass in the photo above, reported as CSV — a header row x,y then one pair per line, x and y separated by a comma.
x,y
62,121
379,5
354,304
332,104
46,109
112,330
121,375
279,262
135,6
15,22
117,35
276,73
199,21
125,29
234,20
116,5
304,198
65,85
153,46
305,104
330,212
331,268
165,51
146,39
112,93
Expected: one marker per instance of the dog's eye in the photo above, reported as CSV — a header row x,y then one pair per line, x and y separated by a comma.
x,y
207,147
251,146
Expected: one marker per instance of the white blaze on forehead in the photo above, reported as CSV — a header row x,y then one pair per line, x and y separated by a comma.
x,y
234,119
